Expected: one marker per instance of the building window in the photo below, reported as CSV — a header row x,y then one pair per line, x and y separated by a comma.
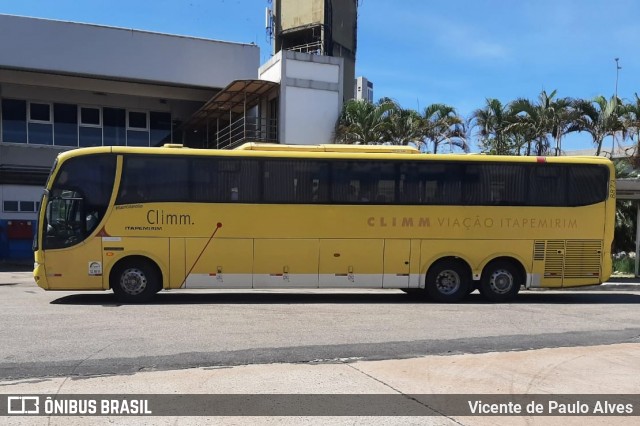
x,y
90,130
137,128
65,124
10,206
72,125
137,120
160,124
90,116
27,206
14,121
39,113
40,129
115,126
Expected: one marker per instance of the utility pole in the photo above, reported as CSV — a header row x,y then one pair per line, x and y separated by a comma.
x,y
615,104
618,68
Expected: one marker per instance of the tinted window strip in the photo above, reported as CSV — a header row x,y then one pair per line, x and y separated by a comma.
x,y
451,177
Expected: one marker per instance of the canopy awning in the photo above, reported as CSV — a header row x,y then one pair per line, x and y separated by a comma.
x,y
236,98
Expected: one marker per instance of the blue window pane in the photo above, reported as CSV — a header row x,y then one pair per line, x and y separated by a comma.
x,y
39,112
10,206
65,124
14,121
66,134
138,120
90,115
160,123
40,134
27,206
115,126
90,136
136,138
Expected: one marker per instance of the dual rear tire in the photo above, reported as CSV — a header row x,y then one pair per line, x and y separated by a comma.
x,y
449,280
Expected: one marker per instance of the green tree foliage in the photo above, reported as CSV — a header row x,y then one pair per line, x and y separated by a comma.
x,y
496,130
363,122
601,118
405,127
631,122
443,126
520,127
626,211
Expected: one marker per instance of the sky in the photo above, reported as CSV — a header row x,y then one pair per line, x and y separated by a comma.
x,y
419,52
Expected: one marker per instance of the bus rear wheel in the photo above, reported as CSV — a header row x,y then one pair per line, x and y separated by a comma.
x,y
448,281
135,281
500,282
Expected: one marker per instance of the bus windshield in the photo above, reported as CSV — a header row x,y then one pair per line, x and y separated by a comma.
x,y
78,200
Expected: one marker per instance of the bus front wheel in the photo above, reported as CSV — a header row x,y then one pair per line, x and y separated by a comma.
x,y
135,281
500,282
448,281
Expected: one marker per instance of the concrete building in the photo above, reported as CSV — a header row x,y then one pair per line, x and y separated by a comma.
x,y
65,85
363,89
310,95
321,27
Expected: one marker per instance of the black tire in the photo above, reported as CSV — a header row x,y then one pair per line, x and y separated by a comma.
x,y
501,281
448,281
135,281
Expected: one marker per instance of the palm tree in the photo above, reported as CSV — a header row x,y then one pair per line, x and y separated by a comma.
x,y
540,119
527,123
564,120
405,126
363,122
548,117
493,123
631,120
601,118
442,124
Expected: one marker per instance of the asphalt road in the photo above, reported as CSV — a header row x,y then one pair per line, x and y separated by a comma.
x,y
48,334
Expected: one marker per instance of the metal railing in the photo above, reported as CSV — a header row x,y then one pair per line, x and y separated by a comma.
x,y
246,129
314,48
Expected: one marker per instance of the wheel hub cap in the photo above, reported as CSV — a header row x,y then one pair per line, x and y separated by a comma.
x,y
501,281
133,281
448,282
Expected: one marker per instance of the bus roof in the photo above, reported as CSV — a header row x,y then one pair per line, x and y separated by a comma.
x,y
375,152
368,149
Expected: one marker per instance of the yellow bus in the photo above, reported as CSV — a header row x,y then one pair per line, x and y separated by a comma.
x,y
139,220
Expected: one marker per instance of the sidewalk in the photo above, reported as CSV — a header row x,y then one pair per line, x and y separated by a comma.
x,y
602,370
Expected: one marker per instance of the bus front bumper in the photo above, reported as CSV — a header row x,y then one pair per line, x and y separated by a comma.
x,y
40,276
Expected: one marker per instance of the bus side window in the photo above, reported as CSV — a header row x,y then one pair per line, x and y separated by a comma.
x,y
547,186
132,192
238,181
202,183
